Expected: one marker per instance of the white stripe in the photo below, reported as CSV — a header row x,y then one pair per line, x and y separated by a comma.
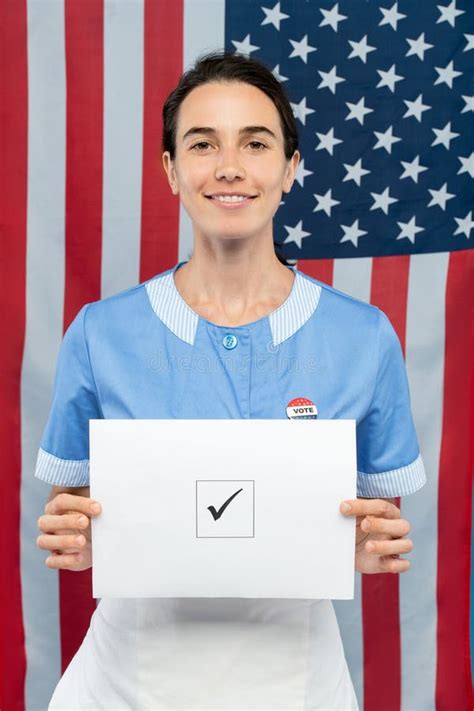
x,y
348,613
203,31
44,324
425,335
353,277
123,133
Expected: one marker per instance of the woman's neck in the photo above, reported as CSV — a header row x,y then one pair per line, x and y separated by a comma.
x,y
236,291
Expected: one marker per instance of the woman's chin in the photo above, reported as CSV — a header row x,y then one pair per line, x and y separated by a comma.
x,y
229,236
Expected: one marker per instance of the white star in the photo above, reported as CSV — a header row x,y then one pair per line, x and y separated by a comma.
x,y
440,197
416,108
467,165
301,49
296,234
449,13
329,80
409,229
273,16
444,135
358,111
352,233
301,111
382,201
328,141
391,17
465,225
332,17
385,140
277,75
418,47
389,78
355,172
470,43
325,202
245,47
447,74
469,104
413,169
301,173
360,49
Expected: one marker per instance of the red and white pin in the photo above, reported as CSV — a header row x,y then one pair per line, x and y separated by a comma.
x,y
300,408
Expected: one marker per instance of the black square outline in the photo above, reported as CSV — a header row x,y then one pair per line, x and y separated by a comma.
x,y
253,508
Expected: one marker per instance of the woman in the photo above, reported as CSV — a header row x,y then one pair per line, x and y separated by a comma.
x,y
230,149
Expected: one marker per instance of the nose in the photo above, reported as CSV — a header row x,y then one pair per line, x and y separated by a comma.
x,y
228,165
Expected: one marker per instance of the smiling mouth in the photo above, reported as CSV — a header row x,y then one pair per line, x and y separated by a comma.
x,y
231,199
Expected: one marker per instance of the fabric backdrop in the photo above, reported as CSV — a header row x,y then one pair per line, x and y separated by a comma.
x,y
382,209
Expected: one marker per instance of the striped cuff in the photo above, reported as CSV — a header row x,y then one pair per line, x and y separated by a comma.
x,y
62,472
395,482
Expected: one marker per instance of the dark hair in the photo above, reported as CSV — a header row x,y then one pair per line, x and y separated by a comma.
x,y
222,66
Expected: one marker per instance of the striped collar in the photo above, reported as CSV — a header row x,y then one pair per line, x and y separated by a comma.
x,y
174,312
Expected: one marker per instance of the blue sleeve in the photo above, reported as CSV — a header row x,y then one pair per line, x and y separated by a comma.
x,y
63,457
389,462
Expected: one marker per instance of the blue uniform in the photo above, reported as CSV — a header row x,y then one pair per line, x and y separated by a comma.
x,y
144,353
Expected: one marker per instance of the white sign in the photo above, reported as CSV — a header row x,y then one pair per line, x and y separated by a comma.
x,y
223,508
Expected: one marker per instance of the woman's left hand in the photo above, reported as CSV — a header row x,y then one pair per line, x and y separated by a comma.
x,y
380,536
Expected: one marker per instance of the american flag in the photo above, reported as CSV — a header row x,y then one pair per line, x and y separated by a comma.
x,y
382,209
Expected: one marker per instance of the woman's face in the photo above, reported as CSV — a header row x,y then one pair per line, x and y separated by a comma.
x,y
229,140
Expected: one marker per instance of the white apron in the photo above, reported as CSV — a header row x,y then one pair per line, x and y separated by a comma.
x,y
209,653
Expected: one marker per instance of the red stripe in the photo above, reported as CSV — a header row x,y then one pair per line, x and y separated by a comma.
x,y
471,523
13,204
84,29
453,673
380,593
163,67
320,269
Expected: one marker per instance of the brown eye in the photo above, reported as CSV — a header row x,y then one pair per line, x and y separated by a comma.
x,y
201,143
257,143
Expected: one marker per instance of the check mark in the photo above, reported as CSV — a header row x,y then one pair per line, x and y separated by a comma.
x,y
217,514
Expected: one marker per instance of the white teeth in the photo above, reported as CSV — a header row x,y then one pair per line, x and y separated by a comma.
x,y
229,198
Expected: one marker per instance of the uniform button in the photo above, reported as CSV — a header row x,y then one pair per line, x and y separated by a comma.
x,y
229,341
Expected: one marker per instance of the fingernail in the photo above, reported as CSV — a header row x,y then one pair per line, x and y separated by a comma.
x,y
95,508
345,507
365,524
370,546
82,520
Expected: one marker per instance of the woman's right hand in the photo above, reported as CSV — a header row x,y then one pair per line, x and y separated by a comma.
x,y
66,530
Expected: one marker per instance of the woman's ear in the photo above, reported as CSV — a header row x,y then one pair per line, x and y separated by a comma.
x,y
291,171
170,171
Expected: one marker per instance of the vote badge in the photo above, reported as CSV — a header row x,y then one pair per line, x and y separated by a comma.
x,y
300,408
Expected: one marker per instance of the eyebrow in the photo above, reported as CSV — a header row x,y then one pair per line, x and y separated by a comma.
x,y
243,131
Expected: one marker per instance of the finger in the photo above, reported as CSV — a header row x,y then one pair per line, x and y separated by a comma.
x,y
64,561
373,507
63,503
49,523
49,542
386,548
394,565
393,527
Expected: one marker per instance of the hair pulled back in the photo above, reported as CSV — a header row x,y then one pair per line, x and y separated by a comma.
x,y
223,66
